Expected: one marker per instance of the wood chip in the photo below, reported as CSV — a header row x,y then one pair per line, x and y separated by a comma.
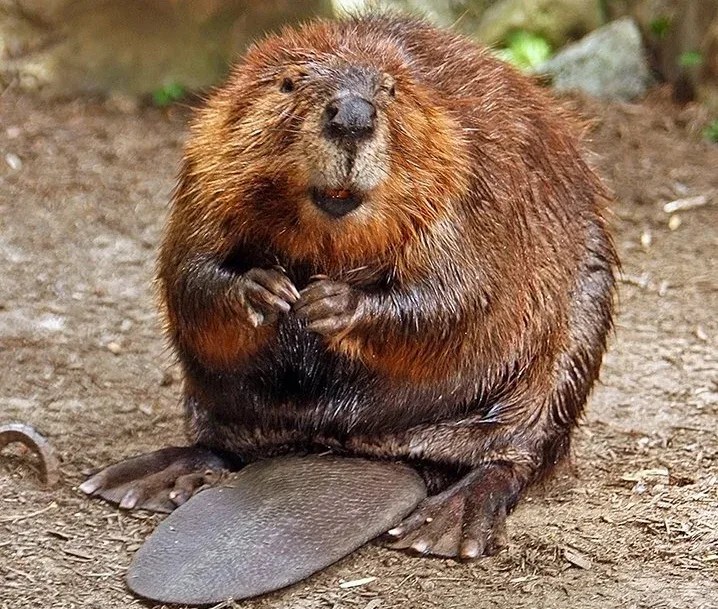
x,y
687,203
58,534
356,582
77,553
15,519
646,239
577,558
27,576
645,473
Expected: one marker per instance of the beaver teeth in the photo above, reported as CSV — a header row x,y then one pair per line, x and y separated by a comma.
x,y
335,193
336,202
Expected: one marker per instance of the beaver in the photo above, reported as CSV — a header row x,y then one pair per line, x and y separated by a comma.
x,y
384,243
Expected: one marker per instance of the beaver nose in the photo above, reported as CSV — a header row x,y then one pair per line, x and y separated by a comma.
x,y
349,118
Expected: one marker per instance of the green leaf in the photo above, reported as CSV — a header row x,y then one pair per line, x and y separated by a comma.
x,y
168,94
690,59
525,49
660,26
711,131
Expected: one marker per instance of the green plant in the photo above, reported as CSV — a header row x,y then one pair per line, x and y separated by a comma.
x,y
711,131
660,26
690,59
168,94
525,49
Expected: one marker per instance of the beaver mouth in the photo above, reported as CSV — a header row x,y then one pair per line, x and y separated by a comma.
x,y
335,202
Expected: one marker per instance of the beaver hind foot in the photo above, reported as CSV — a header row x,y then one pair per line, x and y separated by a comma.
x,y
467,520
158,481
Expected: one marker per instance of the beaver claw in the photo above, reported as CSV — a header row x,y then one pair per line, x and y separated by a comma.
x,y
158,481
329,307
467,520
265,294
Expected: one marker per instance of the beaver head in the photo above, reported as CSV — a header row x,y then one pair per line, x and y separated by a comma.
x,y
342,148
329,145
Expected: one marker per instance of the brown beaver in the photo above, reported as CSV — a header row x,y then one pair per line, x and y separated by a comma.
x,y
384,242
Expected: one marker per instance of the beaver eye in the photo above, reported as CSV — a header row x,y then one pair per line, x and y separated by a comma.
x,y
287,85
389,85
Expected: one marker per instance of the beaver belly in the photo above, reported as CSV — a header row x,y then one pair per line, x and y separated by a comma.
x,y
296,393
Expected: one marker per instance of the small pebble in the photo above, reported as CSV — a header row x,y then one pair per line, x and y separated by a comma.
x,y
390,561
146,409
674,222
13,161
639,488
646,239
114,348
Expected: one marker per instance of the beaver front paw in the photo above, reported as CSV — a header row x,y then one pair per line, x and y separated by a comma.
x,y
467,520
330,308
265,293
158,481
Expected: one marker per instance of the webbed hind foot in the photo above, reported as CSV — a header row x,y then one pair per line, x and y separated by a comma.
x,y
467,520
158,481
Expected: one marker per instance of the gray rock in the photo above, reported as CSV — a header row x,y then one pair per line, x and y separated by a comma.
x,y
609,63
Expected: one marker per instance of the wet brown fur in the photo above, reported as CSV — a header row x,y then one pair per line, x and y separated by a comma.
x,y
483,263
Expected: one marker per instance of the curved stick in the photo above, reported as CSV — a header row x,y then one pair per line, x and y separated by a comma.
x,y
27,435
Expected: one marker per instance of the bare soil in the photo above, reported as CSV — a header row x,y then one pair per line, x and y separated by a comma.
x,y
633,522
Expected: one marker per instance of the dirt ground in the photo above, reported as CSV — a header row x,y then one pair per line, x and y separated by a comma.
x,y
634,521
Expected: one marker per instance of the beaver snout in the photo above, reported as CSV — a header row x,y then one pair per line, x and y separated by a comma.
x,y
349,118
350,159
